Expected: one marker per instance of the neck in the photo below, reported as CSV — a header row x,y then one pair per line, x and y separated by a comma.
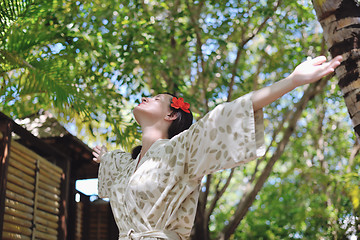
x,y
149,136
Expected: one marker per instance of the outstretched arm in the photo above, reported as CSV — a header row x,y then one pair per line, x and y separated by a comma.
x,y
307,72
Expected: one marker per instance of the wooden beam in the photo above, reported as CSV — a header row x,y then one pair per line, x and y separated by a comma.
x,y
5,141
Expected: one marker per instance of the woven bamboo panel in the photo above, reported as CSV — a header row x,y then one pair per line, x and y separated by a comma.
x,y
23,158
24,151
20,174
45,236
16,220
45,229
18,213
46,223
14,236
48,181
50,189
48,216
10,227
19,198
47,208
18,165
51,196
32,196
52,177
20,182
48,202
18,190
48,196
18,206
19,201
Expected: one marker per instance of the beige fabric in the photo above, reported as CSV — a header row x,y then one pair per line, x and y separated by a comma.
x,y
162,193
154,234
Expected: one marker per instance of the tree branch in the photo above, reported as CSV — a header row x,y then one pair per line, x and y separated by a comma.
x,y
241,48
217,196
199,55
201,230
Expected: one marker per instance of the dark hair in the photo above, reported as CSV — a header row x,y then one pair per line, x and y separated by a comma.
x,y
180,124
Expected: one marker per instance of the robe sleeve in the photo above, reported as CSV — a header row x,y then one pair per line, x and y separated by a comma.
x,y
109,169
228,136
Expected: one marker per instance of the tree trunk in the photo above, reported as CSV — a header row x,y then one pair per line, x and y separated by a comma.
x,y
340,21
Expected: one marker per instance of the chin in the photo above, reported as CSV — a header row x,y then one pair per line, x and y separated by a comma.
x,y
136,114
139,114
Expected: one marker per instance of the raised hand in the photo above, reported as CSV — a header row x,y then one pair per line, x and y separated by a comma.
x,y
98,152
307,72
313,70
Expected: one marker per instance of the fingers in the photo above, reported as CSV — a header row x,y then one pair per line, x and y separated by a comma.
x,y
334,63
322,59
329,67
338,58
318,60
96,153
96,157
96,148
314,69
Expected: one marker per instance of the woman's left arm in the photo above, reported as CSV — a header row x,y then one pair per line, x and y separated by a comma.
x,y
307,72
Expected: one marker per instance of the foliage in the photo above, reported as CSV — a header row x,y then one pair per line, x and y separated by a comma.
x,y
307,197
89,62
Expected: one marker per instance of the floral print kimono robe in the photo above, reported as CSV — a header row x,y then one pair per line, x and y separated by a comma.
x,y
159,199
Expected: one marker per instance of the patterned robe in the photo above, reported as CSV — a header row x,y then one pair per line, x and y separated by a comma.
x,y
159,199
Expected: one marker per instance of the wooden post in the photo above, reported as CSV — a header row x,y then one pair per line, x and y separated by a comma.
x,y
5,141
64,201
36,192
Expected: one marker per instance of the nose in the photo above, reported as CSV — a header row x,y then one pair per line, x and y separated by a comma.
x,y
144,99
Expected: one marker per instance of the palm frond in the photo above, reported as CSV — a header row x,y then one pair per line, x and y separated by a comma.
x,y
10,11
49,77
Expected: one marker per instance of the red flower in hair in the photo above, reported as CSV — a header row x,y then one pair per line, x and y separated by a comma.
x,y
179,103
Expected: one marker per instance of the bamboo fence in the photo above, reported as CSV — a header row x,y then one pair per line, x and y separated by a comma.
x,y
32,196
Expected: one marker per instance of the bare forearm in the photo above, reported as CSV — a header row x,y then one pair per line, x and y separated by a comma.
x,y
307,72
269,94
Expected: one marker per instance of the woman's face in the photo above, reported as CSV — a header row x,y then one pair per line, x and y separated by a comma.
x,y
153,109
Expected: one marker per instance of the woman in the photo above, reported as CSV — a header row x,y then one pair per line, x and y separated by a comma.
x,y
154,196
